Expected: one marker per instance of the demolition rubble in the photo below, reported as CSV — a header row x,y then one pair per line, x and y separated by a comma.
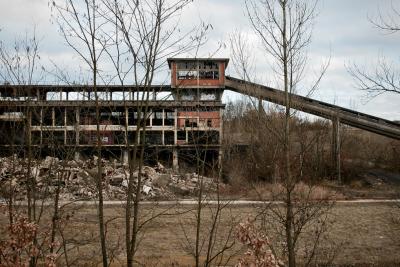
x,y
76,179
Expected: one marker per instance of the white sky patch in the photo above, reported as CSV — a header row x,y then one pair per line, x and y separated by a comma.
x,y
341,30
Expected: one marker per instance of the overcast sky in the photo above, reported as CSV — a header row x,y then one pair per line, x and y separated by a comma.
x,y
341,30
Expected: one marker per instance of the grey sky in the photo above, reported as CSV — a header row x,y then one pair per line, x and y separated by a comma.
x,y
341,29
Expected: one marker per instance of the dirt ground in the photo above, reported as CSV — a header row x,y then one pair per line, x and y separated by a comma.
x,y
370,184
363,234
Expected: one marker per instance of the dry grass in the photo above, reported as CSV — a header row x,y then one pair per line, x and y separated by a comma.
x,y
364,232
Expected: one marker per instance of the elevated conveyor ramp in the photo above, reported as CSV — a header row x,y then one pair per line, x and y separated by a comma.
x,y
322,109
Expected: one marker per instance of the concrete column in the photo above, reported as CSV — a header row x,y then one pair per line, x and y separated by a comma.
x,y
220,155
220,152
77,123
77,155
175,127
126,125
221,126
53,117
175,159
336,147
65,126
29,126
260,105
125,156
41,125
150,115
163,132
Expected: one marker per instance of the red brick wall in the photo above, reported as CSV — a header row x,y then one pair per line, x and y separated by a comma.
x,y
214,116
204,82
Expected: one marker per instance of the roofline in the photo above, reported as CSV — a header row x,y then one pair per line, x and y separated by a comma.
x,y
169,60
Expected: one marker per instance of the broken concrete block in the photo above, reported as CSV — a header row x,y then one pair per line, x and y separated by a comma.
x,y
146,189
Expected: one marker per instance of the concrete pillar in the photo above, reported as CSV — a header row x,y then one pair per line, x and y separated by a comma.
x,y
175,127
150,116
125,157
41,126
336,147
126,124
65,126
29,128
77,155
77,122
220,152
220,155
260,105
175,159
53,117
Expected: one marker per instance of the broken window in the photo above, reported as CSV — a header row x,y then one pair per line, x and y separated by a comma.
x,y
208,96
131,137
169,118
157,118
153,137
208,70
71,137
188,74
59,117
70,116
47,117
191,123
181,136
35,117
169,138
35,137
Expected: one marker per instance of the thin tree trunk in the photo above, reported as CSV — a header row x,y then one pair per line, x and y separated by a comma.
x,y
287,87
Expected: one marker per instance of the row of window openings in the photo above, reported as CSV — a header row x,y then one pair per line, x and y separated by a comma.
x,y
118,138
115,96
203,65
83,96
194,74
118,118
110,118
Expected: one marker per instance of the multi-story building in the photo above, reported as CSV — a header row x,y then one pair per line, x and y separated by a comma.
x,y
183,120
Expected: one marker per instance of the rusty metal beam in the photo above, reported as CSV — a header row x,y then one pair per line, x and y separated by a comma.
x,y
346,116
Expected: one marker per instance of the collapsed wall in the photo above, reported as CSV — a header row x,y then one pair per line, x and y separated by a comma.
x,y
76,179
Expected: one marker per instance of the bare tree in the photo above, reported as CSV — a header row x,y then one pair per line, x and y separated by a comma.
x,y
206,238
81,26
151,33
284,28
385,77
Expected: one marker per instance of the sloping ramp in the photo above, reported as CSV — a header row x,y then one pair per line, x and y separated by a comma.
x,y
322,109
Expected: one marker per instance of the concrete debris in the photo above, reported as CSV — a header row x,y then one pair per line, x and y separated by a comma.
x,y
77,179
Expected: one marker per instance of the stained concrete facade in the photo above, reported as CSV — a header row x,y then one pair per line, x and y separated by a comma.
x,y
184,116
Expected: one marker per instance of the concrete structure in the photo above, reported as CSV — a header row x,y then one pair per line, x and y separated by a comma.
x,y
183,117
188,124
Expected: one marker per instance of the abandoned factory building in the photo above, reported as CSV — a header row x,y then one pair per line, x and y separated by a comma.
x,y
181,120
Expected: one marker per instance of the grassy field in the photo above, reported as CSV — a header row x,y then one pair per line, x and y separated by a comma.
x,y
362,233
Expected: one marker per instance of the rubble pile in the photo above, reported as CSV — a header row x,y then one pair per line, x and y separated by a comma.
x,y
77,179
